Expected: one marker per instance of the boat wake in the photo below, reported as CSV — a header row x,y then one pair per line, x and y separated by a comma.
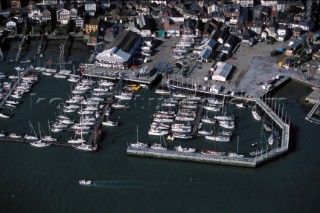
x,y
145,185
131,184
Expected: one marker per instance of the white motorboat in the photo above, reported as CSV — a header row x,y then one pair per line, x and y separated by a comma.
x,y
2,115
235,155
14,135
224,118
208,120
187,150
212,108
271,140
85,182
119,106
184,118
39,144
181,136
86,147
241,105
48,138
157,132
255,115
158,146
76,141
205,132
110,123
227,124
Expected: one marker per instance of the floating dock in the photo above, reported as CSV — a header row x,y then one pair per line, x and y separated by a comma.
x,y
255,161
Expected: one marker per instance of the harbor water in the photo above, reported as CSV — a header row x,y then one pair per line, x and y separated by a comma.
x,y
46,179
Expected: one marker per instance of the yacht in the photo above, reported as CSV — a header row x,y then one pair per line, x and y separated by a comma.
x,y
2,135
86,147
30,137
188,150
85,182
139,144
124,96
39,144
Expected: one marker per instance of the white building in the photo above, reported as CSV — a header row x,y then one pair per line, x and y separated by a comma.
x,y
221,71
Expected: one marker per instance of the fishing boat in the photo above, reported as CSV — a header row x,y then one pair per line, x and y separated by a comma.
x,y
138,144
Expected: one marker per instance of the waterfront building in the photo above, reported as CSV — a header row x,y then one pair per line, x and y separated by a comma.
x,y
221,71
124,47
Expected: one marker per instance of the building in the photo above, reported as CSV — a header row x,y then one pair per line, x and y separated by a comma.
x,y
221,71
46,15
119,56
49,2
90,7
63,15
91,26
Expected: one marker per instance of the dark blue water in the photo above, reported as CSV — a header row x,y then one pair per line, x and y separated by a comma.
x,y
46,180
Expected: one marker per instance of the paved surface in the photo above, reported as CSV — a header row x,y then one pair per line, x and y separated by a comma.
x,y
254,65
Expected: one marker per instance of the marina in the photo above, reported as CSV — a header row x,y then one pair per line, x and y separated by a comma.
x,y
202,125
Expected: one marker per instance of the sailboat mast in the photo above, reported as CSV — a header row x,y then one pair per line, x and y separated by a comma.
x,y
137,134
238,145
